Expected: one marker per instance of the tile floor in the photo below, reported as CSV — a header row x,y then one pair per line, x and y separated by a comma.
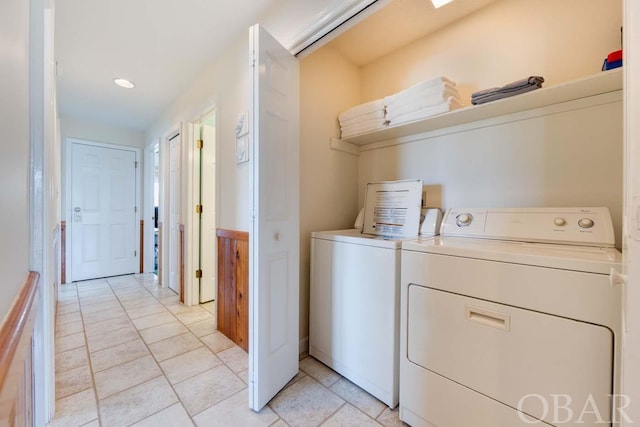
x,y
129,353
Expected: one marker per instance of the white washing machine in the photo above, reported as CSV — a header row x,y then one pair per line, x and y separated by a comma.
x,y
354,313
509,317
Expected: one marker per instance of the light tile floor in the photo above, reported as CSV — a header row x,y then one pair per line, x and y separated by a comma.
x,y
128,353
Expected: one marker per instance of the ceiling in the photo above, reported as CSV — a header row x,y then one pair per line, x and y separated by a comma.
x,y
397,24
161,45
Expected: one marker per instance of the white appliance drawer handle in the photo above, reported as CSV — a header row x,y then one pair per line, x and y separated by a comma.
x,y
490,318
616,278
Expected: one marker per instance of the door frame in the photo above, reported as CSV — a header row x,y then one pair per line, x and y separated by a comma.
x,y
192,289
631,229
66,215
149,151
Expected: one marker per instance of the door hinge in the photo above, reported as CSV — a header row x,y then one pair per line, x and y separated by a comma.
x,y
198,274
135,164
252,60
199,144
135,209
199,209
135,253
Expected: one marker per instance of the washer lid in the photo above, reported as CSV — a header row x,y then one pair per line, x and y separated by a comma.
x,y
355,236
566,257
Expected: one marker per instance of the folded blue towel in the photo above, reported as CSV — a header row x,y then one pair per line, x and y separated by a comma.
x,y
500,95
535,81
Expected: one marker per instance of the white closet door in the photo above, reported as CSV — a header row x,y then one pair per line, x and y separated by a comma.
x,y
174,213
274,238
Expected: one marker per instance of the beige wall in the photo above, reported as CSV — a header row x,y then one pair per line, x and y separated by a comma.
x,y
571,158
14,161
465,51
329,84
508,40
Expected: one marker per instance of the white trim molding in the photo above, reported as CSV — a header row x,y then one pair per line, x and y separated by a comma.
x,y
331,22
66,213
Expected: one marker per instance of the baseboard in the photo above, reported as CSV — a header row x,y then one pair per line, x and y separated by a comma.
x,y
304,345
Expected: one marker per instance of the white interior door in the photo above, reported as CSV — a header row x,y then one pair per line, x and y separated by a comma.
x,y
208,243
103,216
174,213
274,238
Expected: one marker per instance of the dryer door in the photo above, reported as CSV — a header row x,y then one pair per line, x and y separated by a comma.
x,y
519,357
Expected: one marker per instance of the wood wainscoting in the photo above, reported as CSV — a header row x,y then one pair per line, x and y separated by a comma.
x,y
233,285
160,275
141,246
181,279
16,359
63,252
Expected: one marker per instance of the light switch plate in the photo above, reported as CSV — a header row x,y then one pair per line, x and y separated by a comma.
x,y
242,125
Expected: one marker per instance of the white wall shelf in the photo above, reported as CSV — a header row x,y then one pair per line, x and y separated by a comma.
x,y
597,84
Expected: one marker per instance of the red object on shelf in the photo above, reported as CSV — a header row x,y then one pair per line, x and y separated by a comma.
x,y
614,56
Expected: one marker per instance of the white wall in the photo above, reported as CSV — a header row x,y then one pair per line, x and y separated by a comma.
x,y
329,84
81,129
14,161
225,85
45,197
506,41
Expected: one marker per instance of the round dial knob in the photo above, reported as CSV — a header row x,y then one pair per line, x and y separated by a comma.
x,y
559,222
585,223
464,219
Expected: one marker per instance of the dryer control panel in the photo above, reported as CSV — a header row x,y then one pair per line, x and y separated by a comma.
x,y
576,226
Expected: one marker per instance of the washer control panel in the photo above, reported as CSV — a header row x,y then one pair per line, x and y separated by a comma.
x,y
578,226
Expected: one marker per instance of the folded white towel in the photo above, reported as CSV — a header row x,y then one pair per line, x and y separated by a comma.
x,y
448,105
420,92
398,109
378,114
426,92
436,82
358,110
363,123
355,130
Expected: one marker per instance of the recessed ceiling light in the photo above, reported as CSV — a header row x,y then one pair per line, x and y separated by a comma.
x,y
438,3
124,83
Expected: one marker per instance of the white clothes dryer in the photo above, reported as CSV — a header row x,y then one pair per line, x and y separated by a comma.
x,y
509,319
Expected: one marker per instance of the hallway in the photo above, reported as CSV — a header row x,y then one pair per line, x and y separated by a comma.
x,y
129,353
